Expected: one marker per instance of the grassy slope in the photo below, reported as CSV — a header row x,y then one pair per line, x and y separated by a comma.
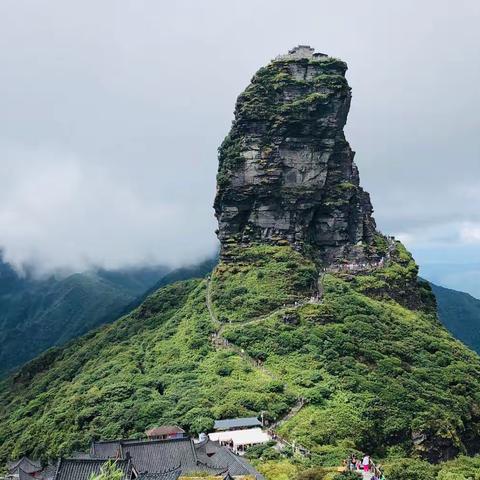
x,y
153,366
371,369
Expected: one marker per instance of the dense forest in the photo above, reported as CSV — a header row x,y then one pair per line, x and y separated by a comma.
x,y
375,376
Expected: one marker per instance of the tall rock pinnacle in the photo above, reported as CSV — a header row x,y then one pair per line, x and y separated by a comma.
x,y
286,172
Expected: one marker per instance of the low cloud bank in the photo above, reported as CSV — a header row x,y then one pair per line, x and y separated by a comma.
x,y
59,212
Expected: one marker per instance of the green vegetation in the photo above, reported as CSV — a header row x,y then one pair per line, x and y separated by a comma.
x,y
337,82
109,471
278,470
460,313
463,468
326,64
366,361
36,314
397,281
411,469
229,157
371,370
154,366
297,106
260,279
265,101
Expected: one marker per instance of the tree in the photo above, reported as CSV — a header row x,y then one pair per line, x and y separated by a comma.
x,y
108,471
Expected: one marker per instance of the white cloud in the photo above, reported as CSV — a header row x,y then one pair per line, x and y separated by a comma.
x,y
112,113
470,233
59,211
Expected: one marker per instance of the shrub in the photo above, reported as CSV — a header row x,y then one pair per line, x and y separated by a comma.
x,y
409,469
313,474
109,471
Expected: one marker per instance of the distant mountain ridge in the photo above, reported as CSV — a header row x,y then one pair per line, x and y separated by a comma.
x,y
36,314
460,313
51,311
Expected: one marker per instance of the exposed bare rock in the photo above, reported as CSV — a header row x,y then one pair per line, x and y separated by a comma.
x,y
286,171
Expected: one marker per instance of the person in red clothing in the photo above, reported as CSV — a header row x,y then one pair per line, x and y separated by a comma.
x,y
366,463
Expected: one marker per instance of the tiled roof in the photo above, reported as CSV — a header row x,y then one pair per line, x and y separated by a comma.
x,y
111,448
106,449
22,475
48,473
26,464
233,423
164,430
172,475
237,465
155,456
81,455
152,458
222,457
83,469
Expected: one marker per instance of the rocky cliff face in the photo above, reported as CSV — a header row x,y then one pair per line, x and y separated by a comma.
x,y
286,171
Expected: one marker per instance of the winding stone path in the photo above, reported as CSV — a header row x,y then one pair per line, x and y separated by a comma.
x,y
220,342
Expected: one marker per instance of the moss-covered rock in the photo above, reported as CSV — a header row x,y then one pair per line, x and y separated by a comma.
x,y
286,172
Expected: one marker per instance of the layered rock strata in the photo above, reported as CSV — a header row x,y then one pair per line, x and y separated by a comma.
x,y
286,172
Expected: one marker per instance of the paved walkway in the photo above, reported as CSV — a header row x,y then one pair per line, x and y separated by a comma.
x,y
365,475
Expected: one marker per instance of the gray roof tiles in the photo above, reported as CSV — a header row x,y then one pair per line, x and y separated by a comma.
x,y
109,449
22,475
26,464
222,457
232,423
172,475
83,469
162,455
150,458
48,473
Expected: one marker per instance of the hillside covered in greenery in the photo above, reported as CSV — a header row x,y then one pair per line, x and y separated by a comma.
x,y
38,313
376,376
460,313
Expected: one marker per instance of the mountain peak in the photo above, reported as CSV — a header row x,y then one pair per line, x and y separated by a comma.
x,y
286,172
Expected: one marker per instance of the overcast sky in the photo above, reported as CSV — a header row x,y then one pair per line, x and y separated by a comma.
x,y
111,113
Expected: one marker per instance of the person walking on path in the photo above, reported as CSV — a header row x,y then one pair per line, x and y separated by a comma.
x,y
366,463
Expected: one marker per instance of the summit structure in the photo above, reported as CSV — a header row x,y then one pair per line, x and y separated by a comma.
x,y
286,172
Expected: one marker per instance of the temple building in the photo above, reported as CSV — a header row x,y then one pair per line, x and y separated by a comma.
x,y
165,432
27,469
236,424
165,459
